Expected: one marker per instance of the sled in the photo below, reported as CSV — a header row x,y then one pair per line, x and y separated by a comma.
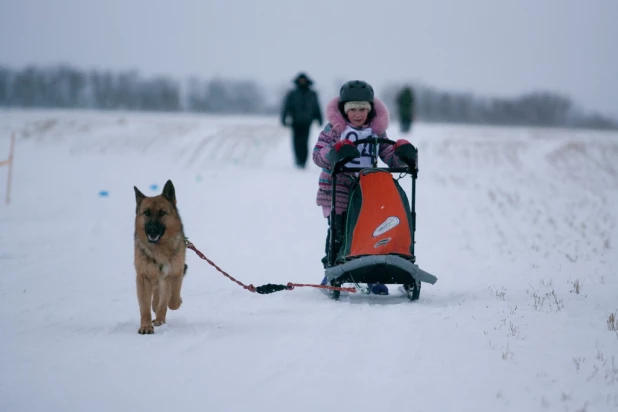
x,y
375,241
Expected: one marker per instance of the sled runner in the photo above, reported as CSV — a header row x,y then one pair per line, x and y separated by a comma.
x,y
375,242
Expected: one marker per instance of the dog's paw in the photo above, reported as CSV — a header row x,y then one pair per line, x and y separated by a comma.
x,y
158,322
146,330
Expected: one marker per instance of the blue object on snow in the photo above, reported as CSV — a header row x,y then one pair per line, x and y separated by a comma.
x,y
103,193
154,186
378,288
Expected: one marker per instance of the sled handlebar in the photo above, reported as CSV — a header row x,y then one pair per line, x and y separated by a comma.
x,y
341,168
344,169
374,141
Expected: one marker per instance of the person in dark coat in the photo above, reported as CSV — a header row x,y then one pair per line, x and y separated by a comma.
x,y
301,105
405,106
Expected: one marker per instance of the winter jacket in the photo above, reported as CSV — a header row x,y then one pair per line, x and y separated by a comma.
x,y
302,105
327,139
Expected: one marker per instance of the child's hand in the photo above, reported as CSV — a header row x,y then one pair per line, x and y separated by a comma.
x,y
406,152
343,149
401,142
341,143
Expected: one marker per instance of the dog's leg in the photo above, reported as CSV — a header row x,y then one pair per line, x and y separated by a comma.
x,y
175,284
161,308
156,289
144,297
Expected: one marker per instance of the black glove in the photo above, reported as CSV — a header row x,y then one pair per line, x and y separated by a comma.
x,y
406,152
343,149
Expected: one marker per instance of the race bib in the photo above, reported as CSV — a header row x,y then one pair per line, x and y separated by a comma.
x,y
365,149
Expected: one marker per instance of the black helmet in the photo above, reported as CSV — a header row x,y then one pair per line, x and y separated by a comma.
x,y
356,90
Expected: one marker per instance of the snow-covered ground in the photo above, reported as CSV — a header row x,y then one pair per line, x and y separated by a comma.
x,y
519,225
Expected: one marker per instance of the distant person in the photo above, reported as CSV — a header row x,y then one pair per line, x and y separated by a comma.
x,y
405,106
301,105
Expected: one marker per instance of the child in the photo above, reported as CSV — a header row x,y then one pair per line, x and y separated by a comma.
x,y
352,116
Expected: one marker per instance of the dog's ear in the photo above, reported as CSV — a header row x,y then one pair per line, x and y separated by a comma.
x,y
139,196
169,192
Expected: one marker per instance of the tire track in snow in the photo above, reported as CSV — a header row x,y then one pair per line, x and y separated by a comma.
x,y
193,141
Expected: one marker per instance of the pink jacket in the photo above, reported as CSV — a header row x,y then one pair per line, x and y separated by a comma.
x,y
331,135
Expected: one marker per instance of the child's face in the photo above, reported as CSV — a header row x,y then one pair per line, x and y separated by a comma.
x,y
358,117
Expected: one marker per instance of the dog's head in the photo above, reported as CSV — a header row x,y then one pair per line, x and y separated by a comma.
x,y
157,217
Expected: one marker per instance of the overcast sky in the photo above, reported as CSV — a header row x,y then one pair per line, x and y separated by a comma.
x,y
489,47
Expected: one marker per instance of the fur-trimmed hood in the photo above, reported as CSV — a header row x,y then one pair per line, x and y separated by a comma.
x,y
379,124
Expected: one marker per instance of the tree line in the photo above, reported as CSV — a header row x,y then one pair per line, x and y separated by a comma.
x,y
67,87
538,108
71,88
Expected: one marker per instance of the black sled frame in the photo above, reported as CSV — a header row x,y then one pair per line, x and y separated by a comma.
x,y
385,269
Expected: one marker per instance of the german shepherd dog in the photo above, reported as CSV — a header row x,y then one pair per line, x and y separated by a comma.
x,y
159,256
